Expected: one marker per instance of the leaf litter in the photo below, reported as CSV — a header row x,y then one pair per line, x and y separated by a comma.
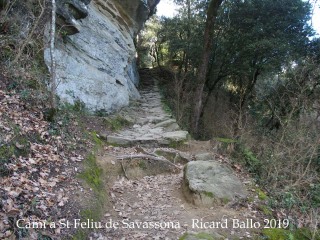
x,y
37,185
34,185
158,199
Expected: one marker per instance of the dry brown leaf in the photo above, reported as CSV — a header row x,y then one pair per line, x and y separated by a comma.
x,y
19,146
32,161
42,181
52,184
43,174
13,212
14,194
57,231
7,234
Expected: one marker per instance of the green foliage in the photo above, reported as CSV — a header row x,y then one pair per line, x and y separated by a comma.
x,y
226,140
289,200
276,234
42,236
96,139
165,98
266,210
251,161
209,194
81,234
315,195
261,194
6,53
92,173
240,62
25,94
6,152
225,200
165,107
62,116
226,143
90,214
77,106
22,233
305,234
285,234
116,123
93,176
142,165
149,44
176,144
294,147
50,114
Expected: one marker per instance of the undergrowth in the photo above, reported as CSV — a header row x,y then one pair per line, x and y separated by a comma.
x,y
92,173
116,123
93,176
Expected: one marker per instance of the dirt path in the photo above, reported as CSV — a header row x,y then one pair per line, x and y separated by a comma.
x,y
151,205
152,125
145,197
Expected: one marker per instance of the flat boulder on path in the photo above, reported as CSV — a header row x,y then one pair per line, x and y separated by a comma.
x,y
176,135
207,183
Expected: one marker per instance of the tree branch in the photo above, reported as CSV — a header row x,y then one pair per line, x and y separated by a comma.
x,y
147,156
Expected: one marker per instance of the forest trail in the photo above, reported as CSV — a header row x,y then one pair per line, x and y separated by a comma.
x,y
145,195
152,125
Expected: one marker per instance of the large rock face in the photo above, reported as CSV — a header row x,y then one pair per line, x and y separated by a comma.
x,y
96,66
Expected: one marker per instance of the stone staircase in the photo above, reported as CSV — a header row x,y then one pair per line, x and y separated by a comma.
x,y
151,124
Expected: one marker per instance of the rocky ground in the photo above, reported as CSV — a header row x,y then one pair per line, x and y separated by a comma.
x,y
145,194
152,125
147,198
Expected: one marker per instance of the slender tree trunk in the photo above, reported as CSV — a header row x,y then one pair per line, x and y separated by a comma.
x,y
52,56
187,52
211,89
250,86
203,68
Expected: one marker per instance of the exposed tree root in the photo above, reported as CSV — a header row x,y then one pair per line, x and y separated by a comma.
x,y
147,157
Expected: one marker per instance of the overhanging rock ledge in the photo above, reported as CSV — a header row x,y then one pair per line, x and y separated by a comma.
x,y
95,51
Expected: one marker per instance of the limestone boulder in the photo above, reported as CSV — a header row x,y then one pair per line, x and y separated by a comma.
x,y
169,125
166,123
207,183
176,136
97,65
69,11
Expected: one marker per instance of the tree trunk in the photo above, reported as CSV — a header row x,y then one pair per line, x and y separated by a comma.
x,y
52,56
203,68
250,86
187,52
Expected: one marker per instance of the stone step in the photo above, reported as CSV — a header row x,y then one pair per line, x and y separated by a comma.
x,y
176,136
166,123
164,139
151,125
143,141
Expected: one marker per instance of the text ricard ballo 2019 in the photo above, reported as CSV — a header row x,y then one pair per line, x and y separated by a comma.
x,y
126,223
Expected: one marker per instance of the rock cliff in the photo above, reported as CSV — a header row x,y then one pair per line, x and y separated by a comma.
x,y
95,51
